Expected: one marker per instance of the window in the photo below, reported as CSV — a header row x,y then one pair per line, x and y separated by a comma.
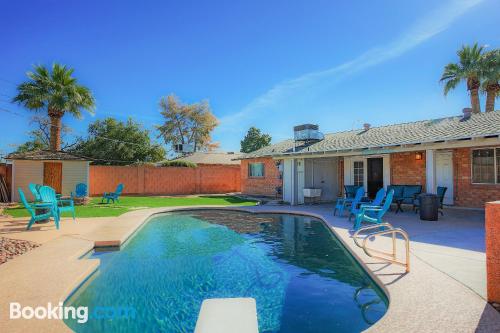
x,y
256,170
358,173
486,166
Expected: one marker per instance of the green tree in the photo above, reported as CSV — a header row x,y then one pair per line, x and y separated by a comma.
x,y
56,92
114,142
490,75
467,69
187,123
254,140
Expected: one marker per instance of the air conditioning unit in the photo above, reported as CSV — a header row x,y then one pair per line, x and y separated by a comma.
x,y
184,148
307,132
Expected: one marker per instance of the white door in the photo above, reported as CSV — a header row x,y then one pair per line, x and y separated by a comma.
x,y
444,174
300,181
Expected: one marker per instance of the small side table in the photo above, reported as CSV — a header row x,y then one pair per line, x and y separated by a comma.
x,y
399,202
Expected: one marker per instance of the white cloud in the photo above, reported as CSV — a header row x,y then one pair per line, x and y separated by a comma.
x,y
425,28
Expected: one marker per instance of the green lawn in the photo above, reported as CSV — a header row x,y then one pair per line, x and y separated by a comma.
x,y
96,209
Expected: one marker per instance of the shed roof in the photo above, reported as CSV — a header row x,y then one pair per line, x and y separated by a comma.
x,y
425,131
211,158
45,155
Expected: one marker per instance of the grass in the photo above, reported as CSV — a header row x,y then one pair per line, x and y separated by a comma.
x,y
96,209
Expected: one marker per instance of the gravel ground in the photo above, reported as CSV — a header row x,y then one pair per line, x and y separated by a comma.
x,y
10,248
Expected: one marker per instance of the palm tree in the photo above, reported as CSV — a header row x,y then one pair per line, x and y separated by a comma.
x,y
490,73
467,69
56,92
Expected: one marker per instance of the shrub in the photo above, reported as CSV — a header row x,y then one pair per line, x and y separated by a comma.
x,y
178,163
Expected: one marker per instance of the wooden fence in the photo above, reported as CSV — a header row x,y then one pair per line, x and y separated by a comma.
x,y
203,179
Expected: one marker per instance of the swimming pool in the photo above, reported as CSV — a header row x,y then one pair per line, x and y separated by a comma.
x,y
301,276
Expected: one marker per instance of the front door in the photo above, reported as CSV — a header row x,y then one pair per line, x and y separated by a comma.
x,y
444,174
375,176
52,175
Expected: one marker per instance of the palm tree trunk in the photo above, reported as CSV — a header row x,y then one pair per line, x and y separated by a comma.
x,y
474,101
491,94
55,132
473,86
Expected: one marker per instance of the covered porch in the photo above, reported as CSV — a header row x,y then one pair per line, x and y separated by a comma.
x,y
429,168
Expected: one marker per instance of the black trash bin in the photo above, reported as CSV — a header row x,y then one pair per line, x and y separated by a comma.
x,y
429,207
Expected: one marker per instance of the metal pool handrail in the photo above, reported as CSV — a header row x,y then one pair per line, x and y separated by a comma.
x,y
390,230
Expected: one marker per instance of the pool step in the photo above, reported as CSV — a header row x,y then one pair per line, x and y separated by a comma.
x,y
227,315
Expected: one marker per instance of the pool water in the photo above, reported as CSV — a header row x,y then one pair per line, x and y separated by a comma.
x,y
302,278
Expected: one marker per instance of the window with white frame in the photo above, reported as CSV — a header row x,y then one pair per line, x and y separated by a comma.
x,y
358,173
256,170
486,166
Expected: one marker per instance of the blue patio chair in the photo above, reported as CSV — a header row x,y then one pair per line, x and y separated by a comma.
x,y
80,191
440,192
51,211
342,203
379,198
113,195
34,188
373,214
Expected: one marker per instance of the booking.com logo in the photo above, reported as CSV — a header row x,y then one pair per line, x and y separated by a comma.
x,y
81,314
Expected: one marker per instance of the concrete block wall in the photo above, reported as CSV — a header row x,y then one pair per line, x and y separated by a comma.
x,y
203,179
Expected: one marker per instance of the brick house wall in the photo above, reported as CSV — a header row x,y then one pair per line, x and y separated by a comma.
x,y
260,185
406,170
466,193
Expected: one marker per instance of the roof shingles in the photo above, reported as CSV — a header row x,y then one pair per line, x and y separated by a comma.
x,y
426,131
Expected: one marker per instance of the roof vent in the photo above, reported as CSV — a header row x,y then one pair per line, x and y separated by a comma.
x,y
307,133
467,113
366,126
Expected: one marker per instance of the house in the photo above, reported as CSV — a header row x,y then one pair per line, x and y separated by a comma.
x,y
59,170
211,158
461,153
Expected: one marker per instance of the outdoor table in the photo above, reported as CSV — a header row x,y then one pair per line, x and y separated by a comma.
x,y
399,202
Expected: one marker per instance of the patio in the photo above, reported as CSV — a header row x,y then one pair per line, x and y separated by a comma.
x,y
454,244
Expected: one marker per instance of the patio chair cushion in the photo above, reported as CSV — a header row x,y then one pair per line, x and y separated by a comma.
x,y
410,192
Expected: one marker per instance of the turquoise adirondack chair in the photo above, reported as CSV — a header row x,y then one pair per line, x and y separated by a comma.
x,y
379,198
113,195
80,191
49,206
373,214
342,203
48,194
34,188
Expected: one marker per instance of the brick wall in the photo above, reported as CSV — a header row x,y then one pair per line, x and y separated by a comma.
x,y
492,227
406,170
165,180
466,193
260,186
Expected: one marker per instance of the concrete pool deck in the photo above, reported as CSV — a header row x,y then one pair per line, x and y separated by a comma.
x,y
443,292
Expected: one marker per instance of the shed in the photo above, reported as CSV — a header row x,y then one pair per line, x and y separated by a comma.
x,y
59,170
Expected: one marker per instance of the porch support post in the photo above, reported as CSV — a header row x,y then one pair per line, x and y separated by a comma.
x,y
430,170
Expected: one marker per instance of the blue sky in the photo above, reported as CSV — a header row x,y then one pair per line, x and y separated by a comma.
x,y
270,64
